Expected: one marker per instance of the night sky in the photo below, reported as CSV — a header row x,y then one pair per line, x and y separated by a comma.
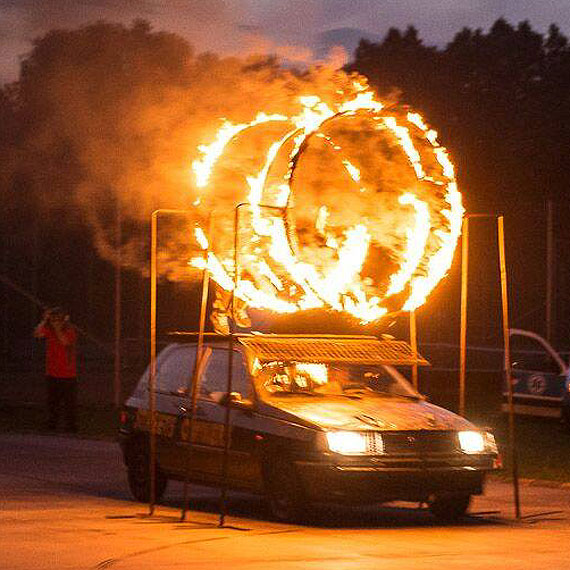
x,y
299,30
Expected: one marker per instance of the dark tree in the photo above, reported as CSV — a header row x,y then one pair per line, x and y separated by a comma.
x,y
501,103
74,134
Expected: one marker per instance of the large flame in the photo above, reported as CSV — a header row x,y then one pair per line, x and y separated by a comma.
x,y
278,272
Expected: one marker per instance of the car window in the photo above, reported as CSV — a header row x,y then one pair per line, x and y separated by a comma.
x,y
528,354
175,369
214,381
332,379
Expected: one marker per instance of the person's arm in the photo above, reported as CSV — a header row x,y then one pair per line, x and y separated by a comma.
x,y
40,330
66,335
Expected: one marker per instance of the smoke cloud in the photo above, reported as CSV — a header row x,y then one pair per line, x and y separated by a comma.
x,y
119,115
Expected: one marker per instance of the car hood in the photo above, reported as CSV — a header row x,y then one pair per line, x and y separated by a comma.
x,y
378,413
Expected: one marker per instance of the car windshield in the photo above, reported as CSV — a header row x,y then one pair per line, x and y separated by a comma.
x,y
276,379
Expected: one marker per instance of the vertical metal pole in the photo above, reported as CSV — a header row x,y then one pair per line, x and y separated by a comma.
x,y
414,344
35,280
6,313
507,364
463,331
152,379
117,359
227,436
193,390
88,301
549,267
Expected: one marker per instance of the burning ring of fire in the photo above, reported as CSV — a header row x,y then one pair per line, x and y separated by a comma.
x,y
416,223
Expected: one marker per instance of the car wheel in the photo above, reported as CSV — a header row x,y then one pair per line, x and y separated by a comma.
x,y
138,474
449,507
285,495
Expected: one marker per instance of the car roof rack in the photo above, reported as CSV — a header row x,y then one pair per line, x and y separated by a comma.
x,y
332,348
320,348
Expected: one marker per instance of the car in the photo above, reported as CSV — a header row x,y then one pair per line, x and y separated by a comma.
x,y
539,378
312,419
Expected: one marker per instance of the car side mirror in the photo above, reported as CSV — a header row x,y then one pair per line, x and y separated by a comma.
x,y
235,400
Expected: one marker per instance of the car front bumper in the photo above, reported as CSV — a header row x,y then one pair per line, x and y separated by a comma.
x,y
389,479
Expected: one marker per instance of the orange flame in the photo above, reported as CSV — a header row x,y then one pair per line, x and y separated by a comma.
x,y
278,278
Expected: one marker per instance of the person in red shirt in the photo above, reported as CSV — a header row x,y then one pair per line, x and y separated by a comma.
x,y
61,372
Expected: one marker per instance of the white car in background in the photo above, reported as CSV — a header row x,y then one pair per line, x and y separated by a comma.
x,y
539,376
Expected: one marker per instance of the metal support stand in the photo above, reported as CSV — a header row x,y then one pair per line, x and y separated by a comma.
x,y
506,337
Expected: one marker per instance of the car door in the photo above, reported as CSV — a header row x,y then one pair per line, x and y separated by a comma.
x,y
538,375
243,467
174,371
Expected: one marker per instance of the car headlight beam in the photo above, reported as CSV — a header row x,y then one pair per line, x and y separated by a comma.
x,y
346,442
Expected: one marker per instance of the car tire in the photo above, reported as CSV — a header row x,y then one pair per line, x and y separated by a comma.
x,y
287,501
138,473
449,507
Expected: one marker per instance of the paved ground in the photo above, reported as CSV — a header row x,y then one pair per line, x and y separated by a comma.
x,y
65,505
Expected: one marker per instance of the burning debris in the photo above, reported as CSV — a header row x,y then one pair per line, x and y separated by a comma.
x,y
353,206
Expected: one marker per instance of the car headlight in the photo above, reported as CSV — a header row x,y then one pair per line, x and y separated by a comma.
x,y
471,441
346,442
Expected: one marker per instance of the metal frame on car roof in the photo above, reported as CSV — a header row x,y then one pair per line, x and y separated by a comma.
x,y
323,348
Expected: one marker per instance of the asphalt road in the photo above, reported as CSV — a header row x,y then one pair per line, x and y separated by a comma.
x,y
64,504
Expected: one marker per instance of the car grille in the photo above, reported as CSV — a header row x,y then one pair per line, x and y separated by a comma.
x,y
411,442
374,443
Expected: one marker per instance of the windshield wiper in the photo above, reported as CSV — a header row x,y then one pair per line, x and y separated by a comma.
x,y
313,394
406,396
354,390
357,388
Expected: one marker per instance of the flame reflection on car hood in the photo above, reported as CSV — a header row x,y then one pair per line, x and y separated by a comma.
x,y
371,413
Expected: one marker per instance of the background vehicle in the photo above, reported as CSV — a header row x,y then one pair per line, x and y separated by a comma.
x,y
313,419
540,377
